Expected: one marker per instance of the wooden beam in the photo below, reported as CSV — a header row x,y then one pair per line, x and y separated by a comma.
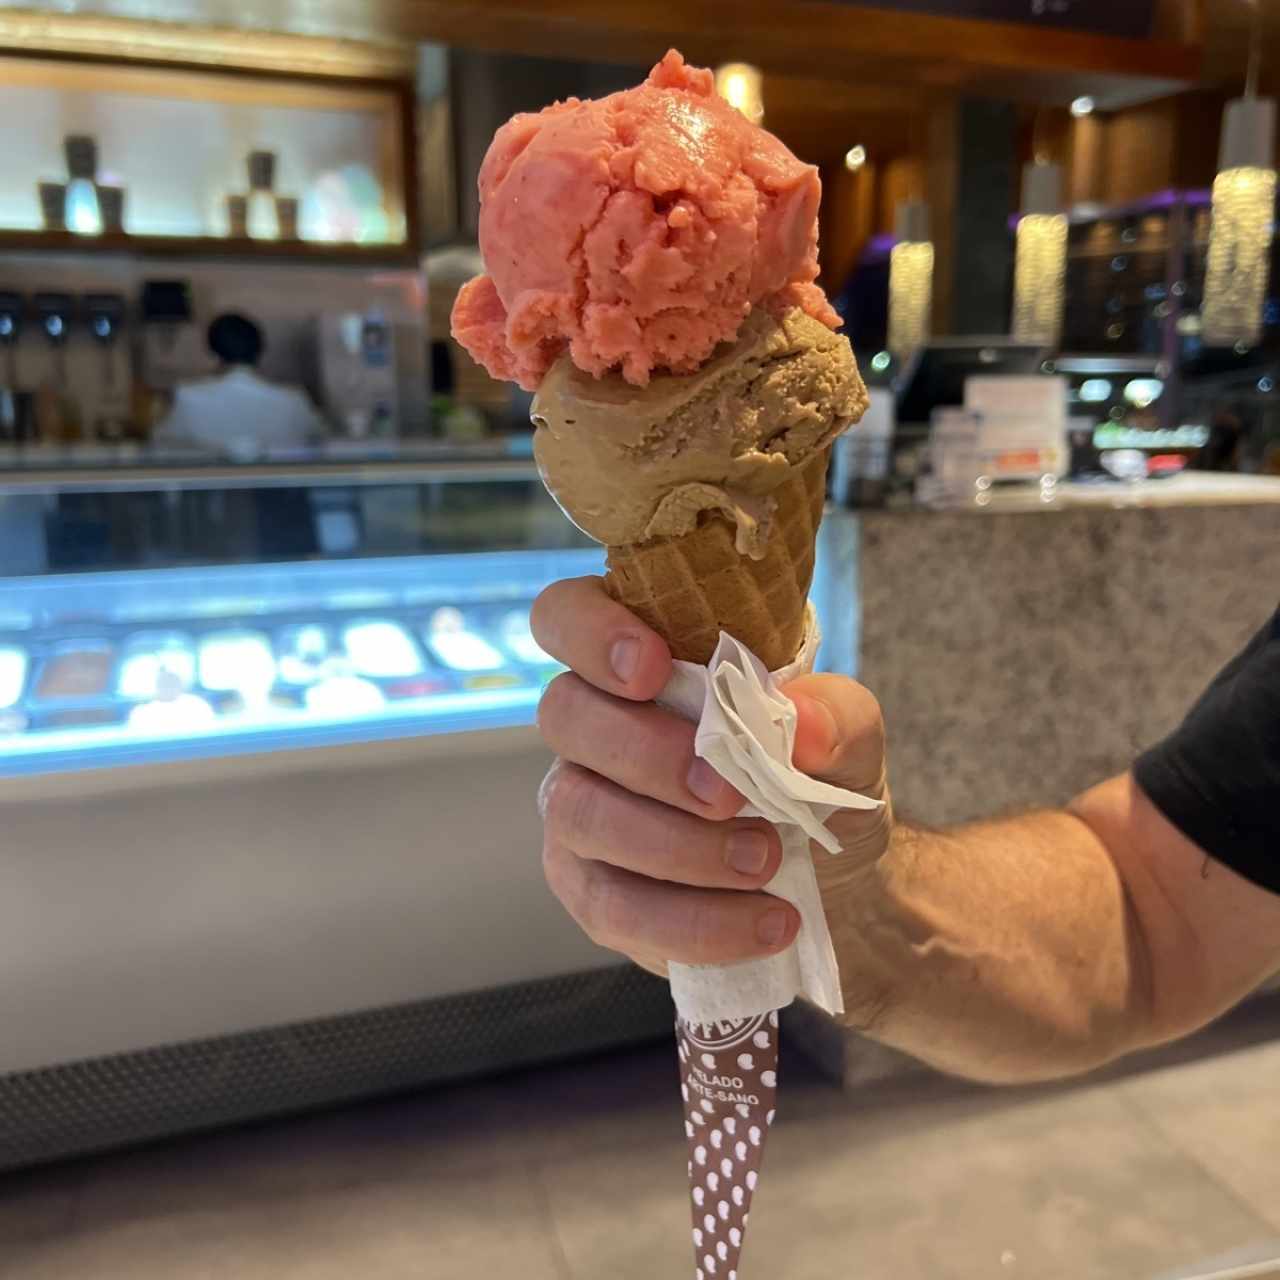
x,y
91,35
808,36
942,186
856,43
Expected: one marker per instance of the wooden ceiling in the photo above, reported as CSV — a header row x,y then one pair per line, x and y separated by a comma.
x,y
821,121
1230,29
833,70
849,43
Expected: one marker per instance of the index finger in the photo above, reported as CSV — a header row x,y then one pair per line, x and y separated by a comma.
x,y
581,625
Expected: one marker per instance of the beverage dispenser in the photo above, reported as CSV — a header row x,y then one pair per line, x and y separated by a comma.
x,y
109,407
357,373
57,418
15,400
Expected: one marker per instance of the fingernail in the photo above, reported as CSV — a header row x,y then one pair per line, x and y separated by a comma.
x,y
747,852
772,927
624,657
706,783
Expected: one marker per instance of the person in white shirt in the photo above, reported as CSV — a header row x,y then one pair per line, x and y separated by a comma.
x,y
238,412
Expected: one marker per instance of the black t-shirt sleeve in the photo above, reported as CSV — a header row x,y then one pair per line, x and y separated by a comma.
x,y
1217,776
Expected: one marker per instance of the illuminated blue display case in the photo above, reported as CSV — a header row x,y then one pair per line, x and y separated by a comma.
x,y
153,615
102,669
269,728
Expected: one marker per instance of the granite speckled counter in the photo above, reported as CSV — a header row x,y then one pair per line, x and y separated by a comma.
x,y
1022,657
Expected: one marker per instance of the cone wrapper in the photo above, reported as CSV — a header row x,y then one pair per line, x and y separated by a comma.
x,y
727,1020
746,731
728,1080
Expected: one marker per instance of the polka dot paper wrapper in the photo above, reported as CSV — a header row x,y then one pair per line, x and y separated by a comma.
x,y
727,1024
729,1083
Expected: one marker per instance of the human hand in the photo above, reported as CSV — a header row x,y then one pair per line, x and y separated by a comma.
x,y
642,844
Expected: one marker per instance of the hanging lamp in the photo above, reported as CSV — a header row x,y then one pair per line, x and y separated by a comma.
x,y
1244,204
1040,265
910,280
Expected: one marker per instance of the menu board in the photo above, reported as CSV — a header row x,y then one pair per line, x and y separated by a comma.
x,y
1104,17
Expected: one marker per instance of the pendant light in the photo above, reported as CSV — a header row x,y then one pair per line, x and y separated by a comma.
x,y
1244,205
1040,266
910,280
741,85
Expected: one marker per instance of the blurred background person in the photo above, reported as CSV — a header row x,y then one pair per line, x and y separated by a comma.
x,y
238,411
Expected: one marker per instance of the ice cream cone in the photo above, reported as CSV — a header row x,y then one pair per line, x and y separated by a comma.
x,y
650,269
707,488
691,588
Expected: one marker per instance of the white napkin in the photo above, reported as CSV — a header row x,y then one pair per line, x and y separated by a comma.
x,y
746,731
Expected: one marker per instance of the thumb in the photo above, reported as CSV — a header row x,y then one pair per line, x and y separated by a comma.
x,y
839,733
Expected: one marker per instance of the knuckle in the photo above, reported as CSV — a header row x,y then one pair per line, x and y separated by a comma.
x,y
611,916
868,703
554,870
546,788
573,802
706,931
555,708
543,616
857,828
874,720
870,716
671,849
725,807
569,880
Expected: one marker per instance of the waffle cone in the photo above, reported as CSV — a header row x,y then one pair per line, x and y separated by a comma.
x,y
691,588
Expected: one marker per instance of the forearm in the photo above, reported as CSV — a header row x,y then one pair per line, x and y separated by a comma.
x,y
1003,951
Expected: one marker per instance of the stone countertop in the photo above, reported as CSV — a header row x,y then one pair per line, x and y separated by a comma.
x,y
1188,489
1018,661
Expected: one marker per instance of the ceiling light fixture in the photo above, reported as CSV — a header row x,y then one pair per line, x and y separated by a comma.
x,y
1040,265
910,280
1244,209
741,85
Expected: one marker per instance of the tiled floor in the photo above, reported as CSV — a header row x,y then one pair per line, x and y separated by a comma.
x,y
577,1173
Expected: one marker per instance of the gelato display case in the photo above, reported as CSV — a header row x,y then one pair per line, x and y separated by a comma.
x,y
127,667
160,613
268,769
147,616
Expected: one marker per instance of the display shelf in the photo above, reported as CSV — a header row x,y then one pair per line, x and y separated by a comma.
x,y
140,474
107,670
179,144
308,251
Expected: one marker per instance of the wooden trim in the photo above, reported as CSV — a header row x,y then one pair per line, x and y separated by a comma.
x,y
365,255
1186,21
942,185
257,89
392,103
808,36
410,176
84,35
